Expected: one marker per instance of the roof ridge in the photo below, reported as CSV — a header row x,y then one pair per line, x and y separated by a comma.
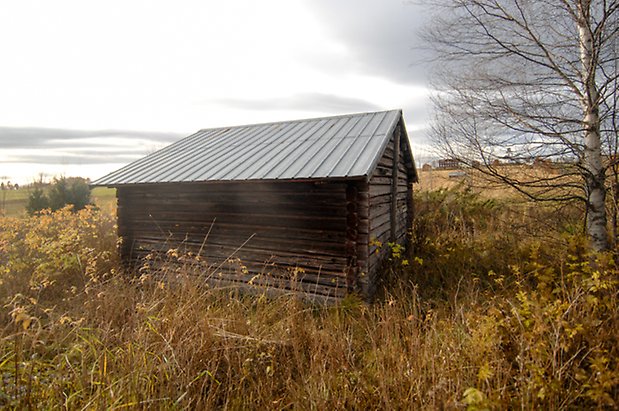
x,y
272,123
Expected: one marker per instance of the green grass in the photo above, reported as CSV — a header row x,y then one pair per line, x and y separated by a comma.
x,y
13,202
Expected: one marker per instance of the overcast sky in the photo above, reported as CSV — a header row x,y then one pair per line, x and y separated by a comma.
x,y
87,86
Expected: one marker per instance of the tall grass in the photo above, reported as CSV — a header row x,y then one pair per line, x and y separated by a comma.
x,y
491,310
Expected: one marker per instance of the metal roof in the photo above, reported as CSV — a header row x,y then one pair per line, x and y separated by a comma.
x,y
346,146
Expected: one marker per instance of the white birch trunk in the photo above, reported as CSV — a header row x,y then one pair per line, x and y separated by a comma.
x,y
592,162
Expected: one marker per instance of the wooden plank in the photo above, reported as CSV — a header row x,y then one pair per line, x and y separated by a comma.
x,y
237,187
384,227
242,232
209,264
323,200
352,224
378,200
394,182
256,196
280,249
216,206
283,219
273,239
378,190
216,257
364,226
381,180
381,208
380,220
278,280
381,170
247,221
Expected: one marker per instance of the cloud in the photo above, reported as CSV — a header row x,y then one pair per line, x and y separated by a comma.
x,y
51,146
45,138
80,158
314,102
417,112
382,36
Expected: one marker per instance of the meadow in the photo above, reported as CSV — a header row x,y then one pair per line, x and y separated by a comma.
x,y
496,305
13,202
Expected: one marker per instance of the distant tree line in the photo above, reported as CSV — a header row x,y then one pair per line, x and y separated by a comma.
x,y
62,192
9,186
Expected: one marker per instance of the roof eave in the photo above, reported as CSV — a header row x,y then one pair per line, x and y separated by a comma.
x,y
248,181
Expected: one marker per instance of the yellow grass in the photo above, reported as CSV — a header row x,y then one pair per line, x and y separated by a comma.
x,y
484,185
490,310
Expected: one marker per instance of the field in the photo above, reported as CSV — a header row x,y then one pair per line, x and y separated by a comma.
x,y
436,179
13,202
497,305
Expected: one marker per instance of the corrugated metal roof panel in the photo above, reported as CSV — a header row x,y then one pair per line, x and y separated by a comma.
x,y
331,147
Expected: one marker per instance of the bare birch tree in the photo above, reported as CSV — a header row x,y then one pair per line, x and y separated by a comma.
x,y
531,79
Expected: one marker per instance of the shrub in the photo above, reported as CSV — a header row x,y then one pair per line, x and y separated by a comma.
x,y
51,252
64,191
37,201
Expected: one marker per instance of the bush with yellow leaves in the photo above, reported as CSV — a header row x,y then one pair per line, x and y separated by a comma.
x,y
55,251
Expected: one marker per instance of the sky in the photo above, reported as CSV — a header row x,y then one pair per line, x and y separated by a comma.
x,y
89,86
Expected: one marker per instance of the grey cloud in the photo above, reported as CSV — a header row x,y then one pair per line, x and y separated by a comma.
x,y
72,158
316,102
45,138
382,35
78,147
418,137
417,112
417,117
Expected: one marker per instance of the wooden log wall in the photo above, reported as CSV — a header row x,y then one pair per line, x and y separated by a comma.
x,y
315,232
383,189
359,267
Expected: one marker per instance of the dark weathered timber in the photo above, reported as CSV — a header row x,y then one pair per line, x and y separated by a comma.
x,y
394,183
390,202
410,212
352,234
304,230
285,277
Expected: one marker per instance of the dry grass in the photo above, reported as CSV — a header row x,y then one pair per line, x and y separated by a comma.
x,y
481,316
480,183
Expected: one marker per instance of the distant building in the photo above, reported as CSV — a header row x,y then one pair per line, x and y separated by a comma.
x,y
448,163
457,174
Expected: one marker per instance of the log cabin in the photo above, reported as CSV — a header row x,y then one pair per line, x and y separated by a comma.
x,y
306,206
